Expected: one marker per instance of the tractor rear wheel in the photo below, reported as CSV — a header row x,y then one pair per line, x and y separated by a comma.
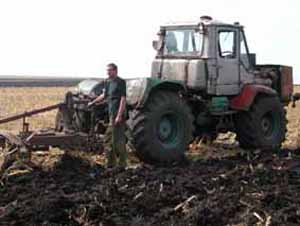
x,y
162,130
263,126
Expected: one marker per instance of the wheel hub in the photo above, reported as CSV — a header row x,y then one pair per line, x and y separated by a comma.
x,y
167,128
267,125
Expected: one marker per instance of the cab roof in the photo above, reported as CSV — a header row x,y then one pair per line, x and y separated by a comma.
x,y
205,20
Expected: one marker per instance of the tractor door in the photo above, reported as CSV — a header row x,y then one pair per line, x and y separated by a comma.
x,y
228,72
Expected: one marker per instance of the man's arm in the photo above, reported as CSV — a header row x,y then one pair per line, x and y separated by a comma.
x,y
122,104
99,99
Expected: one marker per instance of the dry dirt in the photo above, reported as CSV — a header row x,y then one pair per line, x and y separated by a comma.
x,y
218,185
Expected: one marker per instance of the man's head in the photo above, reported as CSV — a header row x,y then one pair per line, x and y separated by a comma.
x,y
112,70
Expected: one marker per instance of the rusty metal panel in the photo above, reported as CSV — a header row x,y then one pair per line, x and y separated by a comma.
x,y
245,99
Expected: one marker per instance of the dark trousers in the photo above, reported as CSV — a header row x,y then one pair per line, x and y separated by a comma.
x,y
115,142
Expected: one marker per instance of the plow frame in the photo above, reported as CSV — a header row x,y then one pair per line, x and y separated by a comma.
x,y
13,147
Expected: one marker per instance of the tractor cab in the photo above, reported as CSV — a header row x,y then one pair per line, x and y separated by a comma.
x,y
207,55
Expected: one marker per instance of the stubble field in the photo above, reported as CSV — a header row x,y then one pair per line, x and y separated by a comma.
x,y
219,185
20,99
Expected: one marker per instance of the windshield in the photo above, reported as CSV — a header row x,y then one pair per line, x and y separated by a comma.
x,y
183,42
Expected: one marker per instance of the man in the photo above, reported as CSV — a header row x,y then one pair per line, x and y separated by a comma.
x,y
115,94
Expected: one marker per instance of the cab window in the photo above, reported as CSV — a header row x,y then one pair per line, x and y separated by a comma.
x,y
183,42
226,44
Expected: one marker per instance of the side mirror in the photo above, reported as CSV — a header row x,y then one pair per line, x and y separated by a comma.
x,y
154,44
157,45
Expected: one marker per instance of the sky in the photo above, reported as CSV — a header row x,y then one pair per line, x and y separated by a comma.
x,y
78,38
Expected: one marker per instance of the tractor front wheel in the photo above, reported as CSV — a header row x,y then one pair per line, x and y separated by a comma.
x,y
162,129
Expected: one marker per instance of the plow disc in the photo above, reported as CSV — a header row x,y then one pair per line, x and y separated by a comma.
x,y
12,148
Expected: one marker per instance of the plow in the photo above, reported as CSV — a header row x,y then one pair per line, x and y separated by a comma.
x,y
14,147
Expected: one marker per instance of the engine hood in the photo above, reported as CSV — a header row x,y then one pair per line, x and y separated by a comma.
x,y
138,90
90,87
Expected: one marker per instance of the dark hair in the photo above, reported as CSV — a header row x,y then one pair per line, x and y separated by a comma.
x,y
113,66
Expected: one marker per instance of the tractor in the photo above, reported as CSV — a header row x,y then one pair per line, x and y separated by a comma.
x,y
204,81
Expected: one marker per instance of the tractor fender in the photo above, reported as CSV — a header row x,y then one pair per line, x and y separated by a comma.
x,y
247,96
139,90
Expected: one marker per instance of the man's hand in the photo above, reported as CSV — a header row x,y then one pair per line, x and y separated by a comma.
x,y
118,119
91,103
98,100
